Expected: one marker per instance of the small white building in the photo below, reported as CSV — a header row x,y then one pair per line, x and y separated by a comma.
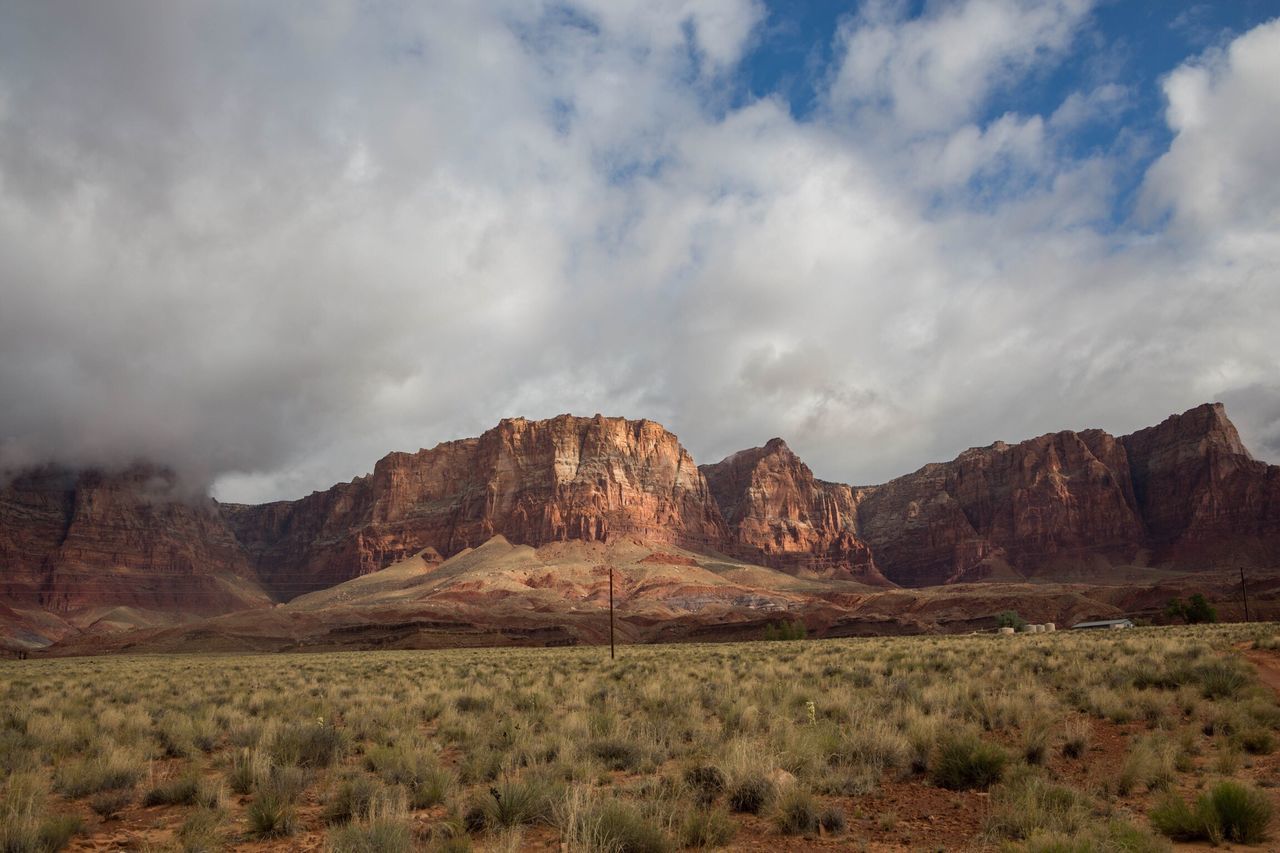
x,y
1103,623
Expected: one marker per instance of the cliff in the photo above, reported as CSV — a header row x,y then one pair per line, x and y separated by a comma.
x,y
87,539
1184,494
1203,497
534,482
780,515
1068,506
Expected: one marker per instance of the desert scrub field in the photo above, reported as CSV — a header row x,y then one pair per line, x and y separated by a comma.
x,y
1108,740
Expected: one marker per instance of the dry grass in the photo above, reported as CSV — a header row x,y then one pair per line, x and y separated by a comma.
x,y
668,747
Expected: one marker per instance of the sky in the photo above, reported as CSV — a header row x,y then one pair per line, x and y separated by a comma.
x,y
268,243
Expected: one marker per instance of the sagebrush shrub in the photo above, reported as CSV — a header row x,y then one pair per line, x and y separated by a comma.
x,y
750,794
964,761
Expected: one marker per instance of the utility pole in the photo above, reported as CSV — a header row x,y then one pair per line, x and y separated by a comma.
x,y
1244,593
611,612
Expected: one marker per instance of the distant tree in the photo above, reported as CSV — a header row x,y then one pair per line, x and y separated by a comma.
x,y
1194,611
1010,619
786,631
1199,610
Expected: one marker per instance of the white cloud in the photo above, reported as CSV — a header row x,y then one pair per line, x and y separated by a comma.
x,y
1010,143
936,72
1218,179
1081,108
271,247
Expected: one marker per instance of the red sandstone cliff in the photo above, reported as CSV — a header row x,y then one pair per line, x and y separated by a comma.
x,y
1183,493
779,515
1005,510
1204,498
94,539
532,481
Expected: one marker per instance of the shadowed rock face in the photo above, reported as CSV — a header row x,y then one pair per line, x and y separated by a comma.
x,y
1060,496
532,481
1181,492
779,515
72,540
1200,492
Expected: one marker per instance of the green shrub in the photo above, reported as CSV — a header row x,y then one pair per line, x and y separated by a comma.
x,y
350,800
1078,735
27,832
1221,679
200,832
1194,611
211,794
1115,836
706,781
468,703
1199,610
284,783
308,745
1256,741
1010,619
1242,812
1173,817
271,816
832,820
107,772
455,844
620,827
245,768
426,781
108,804
616,754
796,812
1230,811
175,792
1035,745
786,631
516,802
964,761
1028,803
750,794
429,788
381,836
703,827
56,832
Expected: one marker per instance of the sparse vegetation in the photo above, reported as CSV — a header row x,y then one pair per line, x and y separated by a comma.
x,y
1230,811
1010,619
797,812
786,631
668,747
1194,611
174,792
965,761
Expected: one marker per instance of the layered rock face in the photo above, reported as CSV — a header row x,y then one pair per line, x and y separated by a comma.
x,y
72,540
1200,492
1185,492
534,482
780,515
1056,498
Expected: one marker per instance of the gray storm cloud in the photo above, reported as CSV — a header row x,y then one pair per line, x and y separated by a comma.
x,y
267,243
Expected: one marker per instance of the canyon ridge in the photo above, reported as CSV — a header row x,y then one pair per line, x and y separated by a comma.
x,y
510,537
